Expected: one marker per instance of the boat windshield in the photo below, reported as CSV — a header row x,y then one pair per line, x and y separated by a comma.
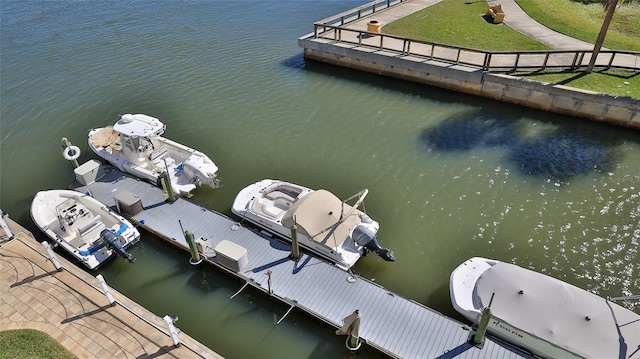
x,y
136,144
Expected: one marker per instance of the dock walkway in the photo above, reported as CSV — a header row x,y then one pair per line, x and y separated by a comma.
x,y
396,326
69,306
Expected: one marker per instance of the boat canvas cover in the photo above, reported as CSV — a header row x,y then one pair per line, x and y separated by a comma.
x,y
139,125
557,312
317,216
105,137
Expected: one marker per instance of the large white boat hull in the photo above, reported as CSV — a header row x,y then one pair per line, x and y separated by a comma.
x,y
135,146
543,315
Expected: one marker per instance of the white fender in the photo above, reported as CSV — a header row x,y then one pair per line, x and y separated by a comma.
x,y
71,153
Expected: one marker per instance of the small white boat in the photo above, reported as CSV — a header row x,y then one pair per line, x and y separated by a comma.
x,y
83,226
548,317
135,145
326,225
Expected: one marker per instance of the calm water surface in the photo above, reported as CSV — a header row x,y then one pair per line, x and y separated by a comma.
x,y
450,176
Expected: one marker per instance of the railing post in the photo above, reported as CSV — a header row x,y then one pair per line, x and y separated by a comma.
x,y
52,256
575,59
580,58
173,331
105,289
613,54
487,61
515,65
546,59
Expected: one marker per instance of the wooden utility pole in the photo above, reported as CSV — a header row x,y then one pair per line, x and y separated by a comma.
x,y
602,34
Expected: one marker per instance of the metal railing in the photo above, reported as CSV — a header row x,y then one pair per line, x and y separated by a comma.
x,y
335,29
359,12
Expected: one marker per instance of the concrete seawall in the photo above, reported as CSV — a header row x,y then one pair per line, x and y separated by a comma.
x,y
554,98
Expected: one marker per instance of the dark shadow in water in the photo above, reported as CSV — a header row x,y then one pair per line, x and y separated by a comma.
x,y
575,147
205,280
556,153
466,133
562,155
295,62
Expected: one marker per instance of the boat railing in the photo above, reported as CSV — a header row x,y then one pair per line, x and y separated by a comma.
x,y
625,297
360,195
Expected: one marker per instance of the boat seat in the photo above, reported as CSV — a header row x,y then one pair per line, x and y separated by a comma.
x,y
275,195
282,203
76,242
158,153
268,209
91,229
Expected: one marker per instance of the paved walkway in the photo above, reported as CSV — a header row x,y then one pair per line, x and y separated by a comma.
x,y
518,20
69,307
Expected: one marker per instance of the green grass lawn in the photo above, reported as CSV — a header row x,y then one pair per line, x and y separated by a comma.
x,y
583,21
465,26
617,83
460,23
31,344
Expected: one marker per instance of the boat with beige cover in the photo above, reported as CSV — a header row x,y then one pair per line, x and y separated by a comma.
x,y
324,224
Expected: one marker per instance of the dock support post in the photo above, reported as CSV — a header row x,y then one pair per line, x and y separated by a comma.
x,y
269,282
173,331
165,180
105,289
295,247
478,338
195,255
52,256
351,327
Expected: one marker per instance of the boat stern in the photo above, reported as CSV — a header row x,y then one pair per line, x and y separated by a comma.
x,y
201,170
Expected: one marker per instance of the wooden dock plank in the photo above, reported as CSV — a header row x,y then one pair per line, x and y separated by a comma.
x,y
393,324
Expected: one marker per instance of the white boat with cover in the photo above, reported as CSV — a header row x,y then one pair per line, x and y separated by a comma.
x,y
135,145
548,317
325,225
83,226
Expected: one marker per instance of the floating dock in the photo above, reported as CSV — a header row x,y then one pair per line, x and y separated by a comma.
x,y
396,326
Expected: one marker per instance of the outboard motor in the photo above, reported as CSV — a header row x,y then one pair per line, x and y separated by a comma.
x,y
366,238
110,238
